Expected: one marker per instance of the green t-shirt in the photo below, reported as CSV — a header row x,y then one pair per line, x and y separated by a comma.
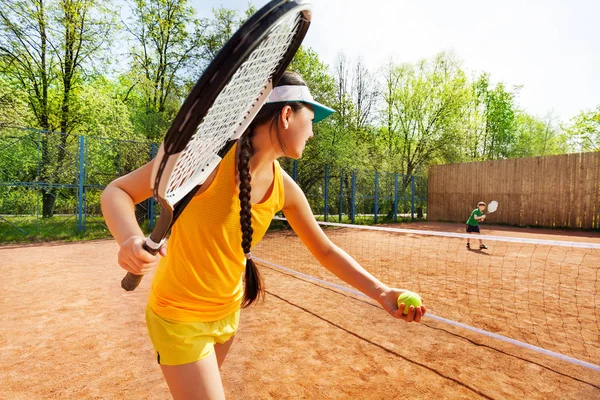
x,y
472,221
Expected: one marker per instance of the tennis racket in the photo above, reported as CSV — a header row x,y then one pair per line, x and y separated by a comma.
x,y
492,207
220,107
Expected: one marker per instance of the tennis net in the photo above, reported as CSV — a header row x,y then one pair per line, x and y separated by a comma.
x,y
544,293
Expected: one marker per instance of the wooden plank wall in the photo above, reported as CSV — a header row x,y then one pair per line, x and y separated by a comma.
x,y
555,191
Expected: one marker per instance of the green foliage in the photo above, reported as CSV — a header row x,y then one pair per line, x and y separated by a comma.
x,y
99,112
423,108
493,120
220,27
55,74
218,30
19,155
166,40
170,49
13,107
324,146
46,50
536,137
584,130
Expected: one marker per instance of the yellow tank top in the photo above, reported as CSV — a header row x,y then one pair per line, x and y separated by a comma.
x,y
200,279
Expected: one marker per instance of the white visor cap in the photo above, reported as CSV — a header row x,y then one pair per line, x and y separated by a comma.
x,y
300,93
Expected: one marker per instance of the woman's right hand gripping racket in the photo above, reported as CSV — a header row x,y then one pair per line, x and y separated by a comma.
x,y
220,107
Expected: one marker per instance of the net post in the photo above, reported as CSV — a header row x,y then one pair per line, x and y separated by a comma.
x,y
353,209
412,200
326,195
151,216
39,153
396,197
376,206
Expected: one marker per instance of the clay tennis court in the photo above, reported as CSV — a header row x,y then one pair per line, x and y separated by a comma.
x,y
70,332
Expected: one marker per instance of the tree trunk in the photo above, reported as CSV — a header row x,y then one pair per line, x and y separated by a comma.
x,y
48,202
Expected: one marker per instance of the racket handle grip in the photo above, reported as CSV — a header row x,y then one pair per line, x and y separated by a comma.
x,y
132,281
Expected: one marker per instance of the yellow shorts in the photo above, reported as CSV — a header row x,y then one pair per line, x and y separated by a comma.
x,y
178,343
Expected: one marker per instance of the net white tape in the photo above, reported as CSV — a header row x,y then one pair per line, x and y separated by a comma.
x,y
242,96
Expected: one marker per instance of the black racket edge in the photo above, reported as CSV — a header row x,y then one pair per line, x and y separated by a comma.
x,y
210,84
225,64
198,103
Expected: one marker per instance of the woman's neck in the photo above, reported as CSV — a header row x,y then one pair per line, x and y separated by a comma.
x,y
264,151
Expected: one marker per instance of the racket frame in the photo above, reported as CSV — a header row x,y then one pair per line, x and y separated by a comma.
x,y
494,205
203,95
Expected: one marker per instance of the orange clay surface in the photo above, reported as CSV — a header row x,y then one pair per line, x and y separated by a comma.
x,y
68,331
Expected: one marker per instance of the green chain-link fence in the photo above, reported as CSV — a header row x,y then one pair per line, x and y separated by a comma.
x,y
50,186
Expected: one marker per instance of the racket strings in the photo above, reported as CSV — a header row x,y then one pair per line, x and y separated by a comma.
x,y
234,103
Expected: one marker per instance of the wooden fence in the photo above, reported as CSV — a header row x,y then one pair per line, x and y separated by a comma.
x,y
554,191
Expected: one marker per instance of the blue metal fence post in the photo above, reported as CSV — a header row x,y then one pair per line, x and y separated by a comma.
x,y
353,210
81,177
326,208
39,164
395,197
295,171
376,197
86,161
151,199
412,201
39,173
341,195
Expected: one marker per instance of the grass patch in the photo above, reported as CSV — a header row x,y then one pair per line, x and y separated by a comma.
x,y
28,229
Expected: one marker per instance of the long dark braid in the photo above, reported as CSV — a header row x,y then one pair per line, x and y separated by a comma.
x,y
269,113
252,280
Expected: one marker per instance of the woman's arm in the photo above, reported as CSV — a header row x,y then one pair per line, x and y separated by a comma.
x,y
336,260
118,202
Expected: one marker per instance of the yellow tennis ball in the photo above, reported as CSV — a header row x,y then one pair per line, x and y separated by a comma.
x,y
409,299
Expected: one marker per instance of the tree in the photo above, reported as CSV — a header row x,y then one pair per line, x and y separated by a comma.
x,y
85,37
323,145
492,121
364,94
13,106
422,112
537,137
218,30
331,143
99,109
47,48
166,44
26,61
584,130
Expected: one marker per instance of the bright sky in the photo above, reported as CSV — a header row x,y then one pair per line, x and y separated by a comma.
x,y
551,47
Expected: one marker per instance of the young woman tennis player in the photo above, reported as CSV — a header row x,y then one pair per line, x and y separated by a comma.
x,y
194,305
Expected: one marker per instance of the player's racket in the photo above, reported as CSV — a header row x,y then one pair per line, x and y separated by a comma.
x,y
492,207
220,107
